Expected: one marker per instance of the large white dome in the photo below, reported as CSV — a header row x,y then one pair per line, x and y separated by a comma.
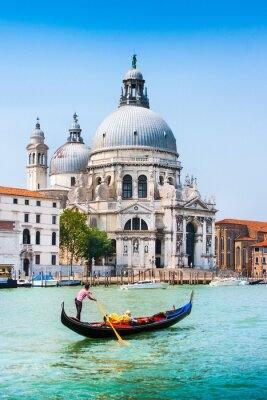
x,y
134,126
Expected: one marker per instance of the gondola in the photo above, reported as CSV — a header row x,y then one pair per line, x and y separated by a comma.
x,y
99,330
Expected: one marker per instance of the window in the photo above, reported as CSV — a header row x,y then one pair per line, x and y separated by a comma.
x,y
27,202
244,256
33,158
263,260
26,217
228,244
26,237
38,203
37,237
222,244
72,181
53,259
238,256
158,246
135,224
142,186
38,218
54,238
264,249
55,205
216,245
30,158
37,259
127,187
256,260
15,201
257,249
228,257
39,158
54,219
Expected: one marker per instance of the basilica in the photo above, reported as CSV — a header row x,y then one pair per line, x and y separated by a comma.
x,y
129,184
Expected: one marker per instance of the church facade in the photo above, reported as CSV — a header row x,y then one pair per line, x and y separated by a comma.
x,y
129,184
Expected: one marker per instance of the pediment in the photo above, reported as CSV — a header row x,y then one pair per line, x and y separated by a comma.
x,y
196,204
136,208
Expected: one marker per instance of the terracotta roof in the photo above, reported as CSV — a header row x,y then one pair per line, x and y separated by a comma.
x,y
261,244
258,225
243,238
23,192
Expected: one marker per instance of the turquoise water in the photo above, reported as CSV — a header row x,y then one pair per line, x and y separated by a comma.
x,y
218,352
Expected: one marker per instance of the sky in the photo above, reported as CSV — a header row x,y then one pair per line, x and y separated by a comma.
x,y
205,66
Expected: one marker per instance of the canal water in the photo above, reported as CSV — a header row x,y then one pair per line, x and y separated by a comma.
x,y
217,352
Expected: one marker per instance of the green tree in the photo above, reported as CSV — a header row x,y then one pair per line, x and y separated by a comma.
x,y
96,244
73,225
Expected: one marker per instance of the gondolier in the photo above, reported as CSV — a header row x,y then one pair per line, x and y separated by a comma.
x,y
83,293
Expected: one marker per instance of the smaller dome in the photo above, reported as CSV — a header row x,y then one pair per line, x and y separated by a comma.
x,y
133,74
72,157
37,131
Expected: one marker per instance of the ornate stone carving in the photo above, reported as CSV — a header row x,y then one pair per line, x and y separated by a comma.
x,y
179,221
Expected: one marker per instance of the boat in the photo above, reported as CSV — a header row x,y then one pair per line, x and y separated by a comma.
x,y
44,281
24,283
69,282
147,284
219,281
100,330
6,280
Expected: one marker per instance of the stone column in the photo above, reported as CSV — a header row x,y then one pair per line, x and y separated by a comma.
x,y
130,250
174,260
119,252
142,252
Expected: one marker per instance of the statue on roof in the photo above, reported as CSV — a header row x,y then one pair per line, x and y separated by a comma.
x,y
134,60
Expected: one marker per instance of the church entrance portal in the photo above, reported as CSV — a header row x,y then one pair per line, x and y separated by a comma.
x,y
190,243
26,264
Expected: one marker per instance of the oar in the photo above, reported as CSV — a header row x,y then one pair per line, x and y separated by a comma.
x,y
116,333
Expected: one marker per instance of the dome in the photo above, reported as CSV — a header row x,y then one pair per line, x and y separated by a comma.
x,y
133,74
133,126
37,131
72,157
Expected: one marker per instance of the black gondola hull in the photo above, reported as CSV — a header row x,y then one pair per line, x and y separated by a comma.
x,y
100,331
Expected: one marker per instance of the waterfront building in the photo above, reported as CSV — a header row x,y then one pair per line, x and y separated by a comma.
x,y
259,259
29,230
234,243
129,184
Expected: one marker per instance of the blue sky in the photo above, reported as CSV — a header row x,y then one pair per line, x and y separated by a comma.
x,y
205,66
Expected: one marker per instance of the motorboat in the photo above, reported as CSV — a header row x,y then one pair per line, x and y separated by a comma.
x,y
147,284
24,283
220,281
100,330
44,281
69,282
6,280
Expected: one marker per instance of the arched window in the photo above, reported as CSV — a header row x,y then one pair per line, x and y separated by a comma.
x,y
136,224
142,186
228,244
222,243
33,158
238,256
216,245
244,257
127,191
43,159
39,158
170,180
54,238
37,237
26,236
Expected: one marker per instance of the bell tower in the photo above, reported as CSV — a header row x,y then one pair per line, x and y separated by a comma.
x,y
37,160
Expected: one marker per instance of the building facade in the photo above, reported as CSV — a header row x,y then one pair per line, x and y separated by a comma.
x,y
29,230
234,243
129,184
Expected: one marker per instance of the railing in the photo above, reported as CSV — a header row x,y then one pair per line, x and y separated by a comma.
x,y
148,160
